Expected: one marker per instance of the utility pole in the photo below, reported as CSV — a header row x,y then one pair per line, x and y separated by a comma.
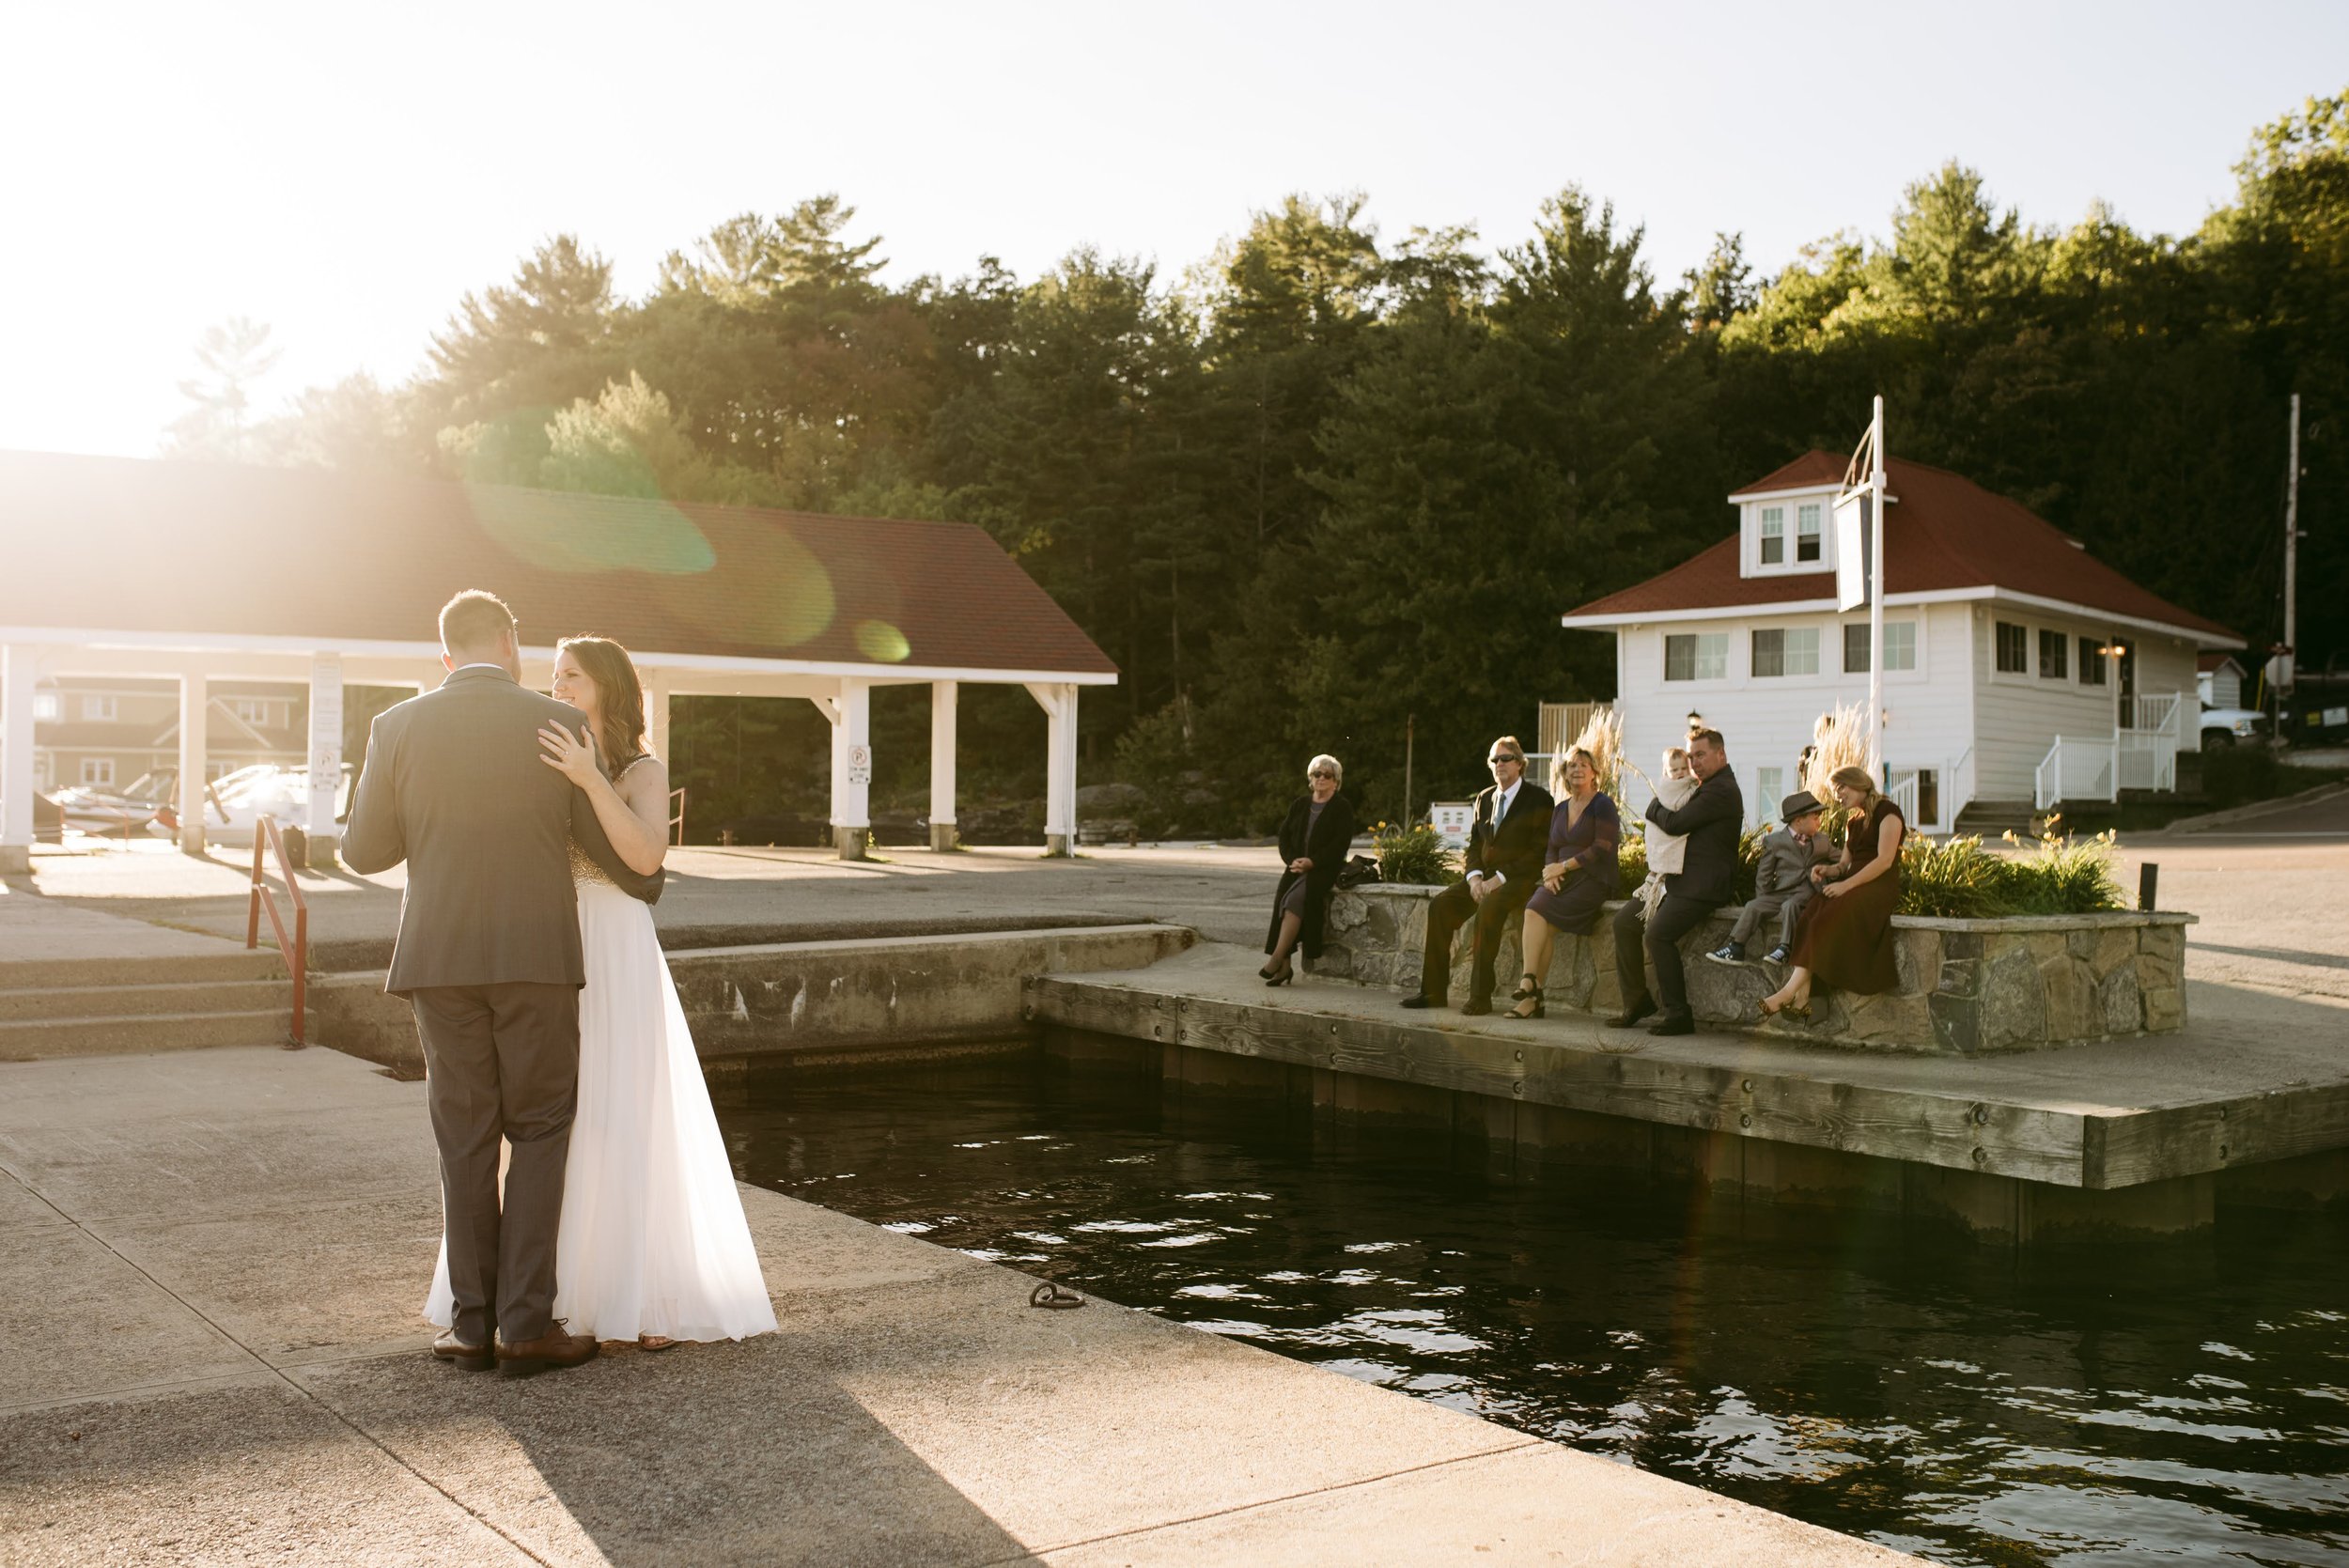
x,y
1876,596
1410,724
2292,556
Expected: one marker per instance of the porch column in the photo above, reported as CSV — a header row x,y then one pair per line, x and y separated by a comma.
x,y
1059,701
194,699
852,768
16,757
326,757
657,715
943,696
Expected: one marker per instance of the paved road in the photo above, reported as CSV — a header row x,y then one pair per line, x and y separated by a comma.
x,y
2273,895
762,895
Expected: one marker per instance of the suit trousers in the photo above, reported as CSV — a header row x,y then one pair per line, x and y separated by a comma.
x,y
1455,907
1787,906
501,1061
1659,939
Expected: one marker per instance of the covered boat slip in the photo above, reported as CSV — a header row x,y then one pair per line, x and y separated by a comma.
x,y
216,572
2122,1137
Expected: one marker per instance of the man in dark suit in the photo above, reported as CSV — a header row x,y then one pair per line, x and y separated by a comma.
x,y
1712,821
489,956
1501,870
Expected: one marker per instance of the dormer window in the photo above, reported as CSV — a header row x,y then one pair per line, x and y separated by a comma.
x,y
1773,536
1807,531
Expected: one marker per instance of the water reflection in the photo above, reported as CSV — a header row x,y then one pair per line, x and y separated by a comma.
x,y
2175,1402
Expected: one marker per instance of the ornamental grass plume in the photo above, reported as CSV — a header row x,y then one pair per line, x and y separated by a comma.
x,y
1838,739
1602,737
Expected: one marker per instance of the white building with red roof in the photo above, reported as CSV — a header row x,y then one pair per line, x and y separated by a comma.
x,y
2019,671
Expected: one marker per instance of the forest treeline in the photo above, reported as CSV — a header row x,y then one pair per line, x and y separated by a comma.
x,y
1329,481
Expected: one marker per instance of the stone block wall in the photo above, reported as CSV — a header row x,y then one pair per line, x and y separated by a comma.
x,y
2024,983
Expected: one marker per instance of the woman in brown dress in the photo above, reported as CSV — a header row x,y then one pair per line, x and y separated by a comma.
x,y
1845,937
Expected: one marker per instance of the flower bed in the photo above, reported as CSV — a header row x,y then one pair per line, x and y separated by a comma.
x,y
2015,983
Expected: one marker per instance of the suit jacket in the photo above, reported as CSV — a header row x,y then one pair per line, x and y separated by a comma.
x,y
1513,847
1327,846
1712,821
454,786
1786,861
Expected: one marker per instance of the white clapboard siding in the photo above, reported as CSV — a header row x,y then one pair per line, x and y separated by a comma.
x,y
1767,721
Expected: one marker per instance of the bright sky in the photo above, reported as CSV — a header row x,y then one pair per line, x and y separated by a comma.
x,y
345,173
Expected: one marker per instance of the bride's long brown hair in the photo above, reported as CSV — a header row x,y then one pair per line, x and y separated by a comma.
x,y
620,728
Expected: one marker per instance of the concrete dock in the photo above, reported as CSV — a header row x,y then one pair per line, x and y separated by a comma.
x,y
2121,1136
210,1266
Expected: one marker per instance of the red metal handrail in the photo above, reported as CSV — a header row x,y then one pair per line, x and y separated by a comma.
x,y
296,953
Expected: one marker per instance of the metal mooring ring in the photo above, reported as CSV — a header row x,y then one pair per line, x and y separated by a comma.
x,y
1051,1295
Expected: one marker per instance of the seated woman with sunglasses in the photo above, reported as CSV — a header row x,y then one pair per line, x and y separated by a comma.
x,y
1314,839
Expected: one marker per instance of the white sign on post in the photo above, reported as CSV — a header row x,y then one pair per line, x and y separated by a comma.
x,y
1452,820
1851,549
860,765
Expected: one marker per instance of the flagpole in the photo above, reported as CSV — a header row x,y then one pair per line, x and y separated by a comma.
x,y
1876,596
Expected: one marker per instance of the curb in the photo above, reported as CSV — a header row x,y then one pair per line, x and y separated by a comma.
x,y
2251,813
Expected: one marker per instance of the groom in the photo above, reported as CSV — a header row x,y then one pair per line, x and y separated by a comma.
x,y
488,957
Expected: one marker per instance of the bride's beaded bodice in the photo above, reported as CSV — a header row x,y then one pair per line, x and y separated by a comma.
x,y
586,870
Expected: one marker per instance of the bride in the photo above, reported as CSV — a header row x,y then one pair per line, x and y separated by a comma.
x,y
653,1246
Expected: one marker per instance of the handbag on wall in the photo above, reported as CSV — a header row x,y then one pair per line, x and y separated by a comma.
x,y
1355,872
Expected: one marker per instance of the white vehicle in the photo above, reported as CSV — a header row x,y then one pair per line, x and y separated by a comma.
x,y
235,801
2224,726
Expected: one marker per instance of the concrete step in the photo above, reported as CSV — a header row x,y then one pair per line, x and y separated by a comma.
x,y
36,1039
230,963
180,997
1992,817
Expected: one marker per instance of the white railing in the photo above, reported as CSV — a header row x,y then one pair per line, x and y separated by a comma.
x,y
1958,790
2152,712
2145,761
2077,770
1903,795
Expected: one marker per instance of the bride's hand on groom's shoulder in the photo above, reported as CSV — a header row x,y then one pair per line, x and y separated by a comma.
x,y
572,756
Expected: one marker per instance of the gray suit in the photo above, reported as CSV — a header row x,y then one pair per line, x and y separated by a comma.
x,y
488,957
1781,884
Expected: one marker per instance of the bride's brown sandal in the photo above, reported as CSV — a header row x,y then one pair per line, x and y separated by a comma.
x,y
655,1341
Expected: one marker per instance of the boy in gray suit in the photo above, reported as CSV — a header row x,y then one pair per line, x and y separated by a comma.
x,y
1781,880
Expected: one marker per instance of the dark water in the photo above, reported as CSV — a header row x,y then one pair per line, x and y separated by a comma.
x,y
2171,1402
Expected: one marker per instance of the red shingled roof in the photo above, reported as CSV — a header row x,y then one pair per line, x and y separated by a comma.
x,y
121,544
1942,532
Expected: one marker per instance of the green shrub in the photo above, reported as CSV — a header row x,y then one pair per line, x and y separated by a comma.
x,y
2065,876
1414,856
1955,878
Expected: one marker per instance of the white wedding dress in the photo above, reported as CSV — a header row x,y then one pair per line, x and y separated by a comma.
x,y
653,1241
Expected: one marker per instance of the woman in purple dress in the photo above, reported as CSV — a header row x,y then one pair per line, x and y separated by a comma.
x,y
1580,874
1845,937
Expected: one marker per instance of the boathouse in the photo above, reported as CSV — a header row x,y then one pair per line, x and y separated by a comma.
x,y
2019,671
198,573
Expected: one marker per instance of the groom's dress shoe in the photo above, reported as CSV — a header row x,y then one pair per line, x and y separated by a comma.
x,y
1632,1015
554,1349
1673,1023
472,1357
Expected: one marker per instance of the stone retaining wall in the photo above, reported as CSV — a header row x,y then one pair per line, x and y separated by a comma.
x,y
2024,982
819,1001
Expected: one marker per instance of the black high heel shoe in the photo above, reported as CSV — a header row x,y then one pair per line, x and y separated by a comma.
x,y
1288,973
1528,998
1525,988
